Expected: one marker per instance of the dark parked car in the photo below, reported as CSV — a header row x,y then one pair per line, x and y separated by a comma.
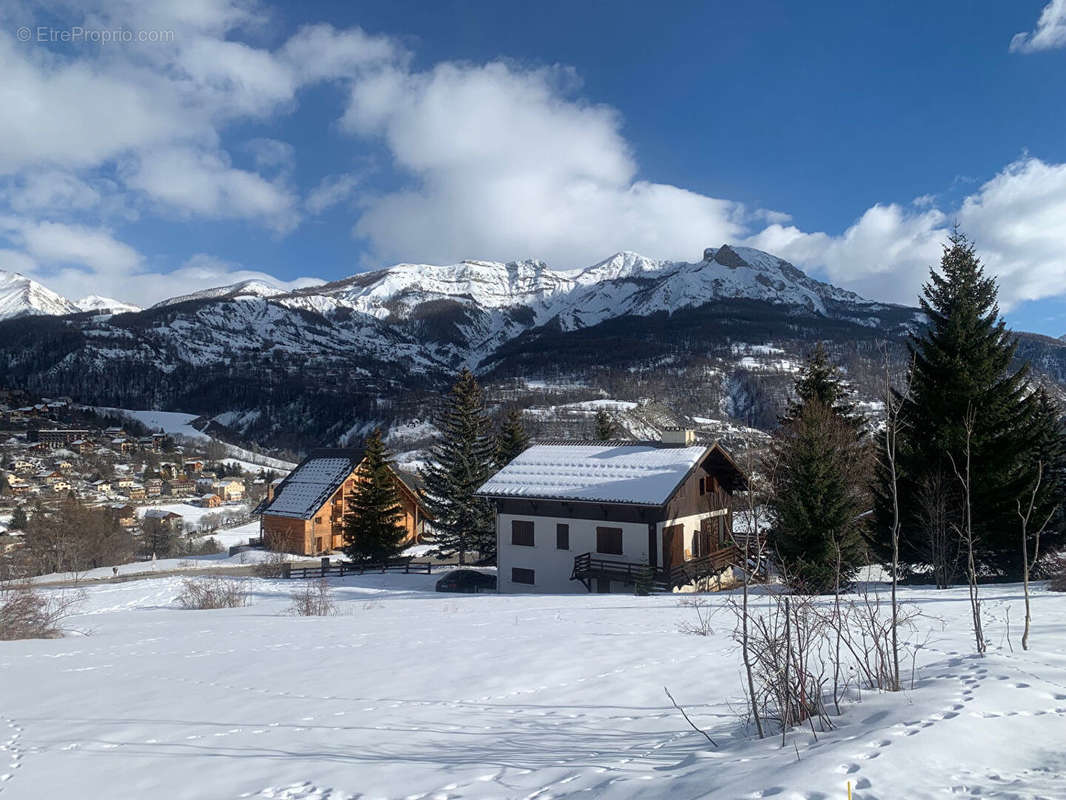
x,y
468,581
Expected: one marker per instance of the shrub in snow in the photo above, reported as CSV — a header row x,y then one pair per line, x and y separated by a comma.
x,y
313,599
205,547
701,625
205,593
26,613
271,566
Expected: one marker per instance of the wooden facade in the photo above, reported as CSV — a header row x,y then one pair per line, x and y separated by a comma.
x,y
321,529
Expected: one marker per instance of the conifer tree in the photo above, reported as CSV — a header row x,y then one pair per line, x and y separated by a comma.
x,y
820,468
963,367
604,426
511,440
820,380
460,462
373,530
18,519
1049,435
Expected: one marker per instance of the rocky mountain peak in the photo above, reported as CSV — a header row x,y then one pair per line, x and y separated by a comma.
x,y
728,257
22,296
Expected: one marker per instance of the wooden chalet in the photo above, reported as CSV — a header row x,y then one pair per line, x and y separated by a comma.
x,y
164,518
304,513
593,516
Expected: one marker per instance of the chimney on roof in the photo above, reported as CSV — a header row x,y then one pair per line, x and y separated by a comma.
x,y
676,435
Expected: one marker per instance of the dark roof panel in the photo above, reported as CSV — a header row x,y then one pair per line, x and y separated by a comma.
x,y
308,486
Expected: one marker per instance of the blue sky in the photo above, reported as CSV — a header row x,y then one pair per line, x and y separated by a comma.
x,y
315,140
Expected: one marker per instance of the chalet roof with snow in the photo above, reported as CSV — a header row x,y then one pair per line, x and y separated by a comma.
x,y
308,486
640,473
160,513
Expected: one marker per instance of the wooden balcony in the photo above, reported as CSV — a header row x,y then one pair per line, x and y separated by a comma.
x,y
589,567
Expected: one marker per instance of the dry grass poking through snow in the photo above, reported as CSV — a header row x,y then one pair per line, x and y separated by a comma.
x,y
313,599
207,593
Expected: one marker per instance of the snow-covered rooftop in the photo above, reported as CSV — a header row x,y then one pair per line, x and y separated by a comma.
x,y
618,472
159,513
308,486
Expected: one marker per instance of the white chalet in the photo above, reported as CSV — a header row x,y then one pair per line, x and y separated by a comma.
x,y
575,516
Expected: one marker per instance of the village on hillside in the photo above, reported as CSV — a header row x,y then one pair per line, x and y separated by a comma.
x,y
161,495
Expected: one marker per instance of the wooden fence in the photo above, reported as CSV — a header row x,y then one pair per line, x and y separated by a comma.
x,y
342,568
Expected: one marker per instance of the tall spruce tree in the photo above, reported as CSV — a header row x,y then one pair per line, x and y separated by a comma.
x,y
373,530
820,468
511,440
460,462
963,365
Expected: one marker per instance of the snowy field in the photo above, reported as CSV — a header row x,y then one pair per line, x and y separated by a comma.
x,y
193,514
173,422
176,423
163,565
410,694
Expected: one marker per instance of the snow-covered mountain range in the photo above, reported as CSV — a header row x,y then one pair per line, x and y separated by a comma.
x,y
625,283
320,361
20,295
95,302
250,288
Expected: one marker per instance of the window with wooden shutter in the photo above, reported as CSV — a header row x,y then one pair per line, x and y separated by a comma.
x,y
519,575
562,536
609,541
522,532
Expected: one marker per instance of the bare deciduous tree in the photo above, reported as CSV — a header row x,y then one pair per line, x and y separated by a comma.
x,y
965,529
943,548
751,545
1028,565
894,402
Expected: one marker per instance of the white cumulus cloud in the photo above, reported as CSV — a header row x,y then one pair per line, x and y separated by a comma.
x,y
507,162
204,183
1050,31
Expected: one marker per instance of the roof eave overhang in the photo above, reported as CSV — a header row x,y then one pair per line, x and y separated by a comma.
x,y
555,499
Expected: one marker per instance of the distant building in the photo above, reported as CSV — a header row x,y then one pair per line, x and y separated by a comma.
x,y
229,490
166,518
55,437
179,487
125,514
